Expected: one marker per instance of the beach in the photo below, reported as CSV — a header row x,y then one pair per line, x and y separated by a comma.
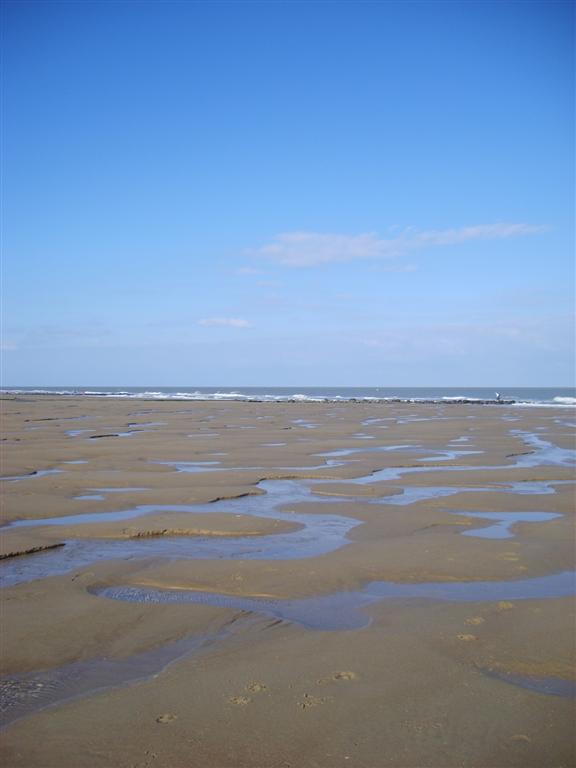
x,y
286,584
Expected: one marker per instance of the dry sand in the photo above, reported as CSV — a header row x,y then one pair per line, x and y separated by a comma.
x,y
426,683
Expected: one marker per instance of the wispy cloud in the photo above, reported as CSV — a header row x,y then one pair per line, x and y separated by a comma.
x,y
93,334
232,322
308,249
432,340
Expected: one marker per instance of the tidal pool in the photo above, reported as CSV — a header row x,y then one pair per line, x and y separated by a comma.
x,y
319,534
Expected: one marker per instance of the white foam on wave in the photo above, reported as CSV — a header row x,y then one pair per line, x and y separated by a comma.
x,y
537,404
463,398
13,391
272,396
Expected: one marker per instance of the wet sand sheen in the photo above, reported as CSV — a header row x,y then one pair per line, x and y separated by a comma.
x,y
370,499
321,533
24,695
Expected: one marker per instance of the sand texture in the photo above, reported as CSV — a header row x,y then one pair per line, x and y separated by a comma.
x,y
286,585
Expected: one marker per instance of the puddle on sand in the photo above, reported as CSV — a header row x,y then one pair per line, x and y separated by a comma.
x,y
563,423
545,454
552,686
449,455
441,454
373,449
505,520
25,694
412,420
414,494
22,695
208,466
344,610
189,466
319,535
31,475
77,432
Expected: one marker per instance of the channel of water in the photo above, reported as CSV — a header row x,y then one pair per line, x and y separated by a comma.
x,y
319,534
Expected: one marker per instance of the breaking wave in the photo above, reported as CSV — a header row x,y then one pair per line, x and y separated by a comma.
x,y
474,396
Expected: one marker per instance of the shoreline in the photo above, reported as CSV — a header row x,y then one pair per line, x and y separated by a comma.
x,y
520,397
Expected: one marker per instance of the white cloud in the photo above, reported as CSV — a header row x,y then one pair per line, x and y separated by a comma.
x,y
307,249
232,322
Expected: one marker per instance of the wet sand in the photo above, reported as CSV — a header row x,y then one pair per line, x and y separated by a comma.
x,y
221,585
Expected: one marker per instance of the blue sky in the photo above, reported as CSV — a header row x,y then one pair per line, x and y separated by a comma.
x,y
284,193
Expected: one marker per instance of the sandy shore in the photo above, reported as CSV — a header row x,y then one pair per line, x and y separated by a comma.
x,y
280,504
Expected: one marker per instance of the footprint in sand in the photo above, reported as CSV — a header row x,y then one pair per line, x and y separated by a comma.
x,y
167,718
240,701
338,677
309,701
344,676
256,687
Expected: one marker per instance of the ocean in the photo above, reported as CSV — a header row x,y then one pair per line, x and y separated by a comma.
x,y
521,396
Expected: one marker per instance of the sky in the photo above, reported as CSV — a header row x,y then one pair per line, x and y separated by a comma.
x,y
288,193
